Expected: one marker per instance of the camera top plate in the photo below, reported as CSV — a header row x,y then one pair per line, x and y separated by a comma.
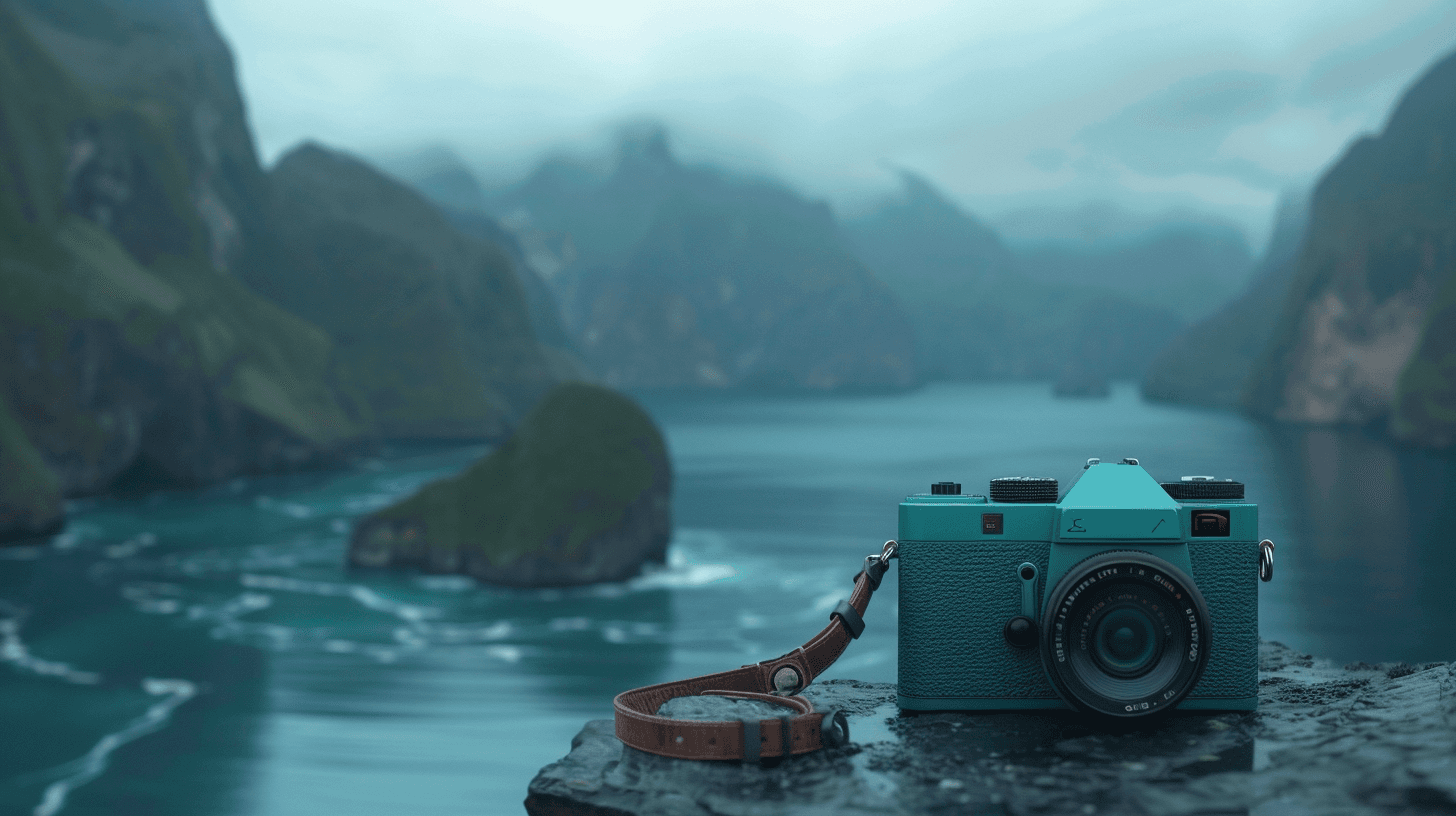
x,y
1117,502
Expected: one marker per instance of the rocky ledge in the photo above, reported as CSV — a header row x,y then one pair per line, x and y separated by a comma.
x,y
1364,739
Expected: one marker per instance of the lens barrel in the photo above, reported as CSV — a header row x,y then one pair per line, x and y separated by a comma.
x,y
1125,634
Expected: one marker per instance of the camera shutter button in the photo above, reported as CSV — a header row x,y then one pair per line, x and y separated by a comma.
x,y
1020,632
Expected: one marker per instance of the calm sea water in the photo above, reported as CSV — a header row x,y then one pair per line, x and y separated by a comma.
x,y
205,652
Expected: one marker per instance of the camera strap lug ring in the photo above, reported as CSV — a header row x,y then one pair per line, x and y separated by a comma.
x,y
875,566
891,550
1266,560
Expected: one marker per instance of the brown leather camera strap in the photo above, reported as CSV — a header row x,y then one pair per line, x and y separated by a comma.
x,y
799,731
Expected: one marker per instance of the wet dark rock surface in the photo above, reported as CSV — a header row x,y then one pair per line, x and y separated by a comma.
x,y
1363,739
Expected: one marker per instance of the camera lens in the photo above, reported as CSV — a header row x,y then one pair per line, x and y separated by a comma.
x,y
1125,640
1125,634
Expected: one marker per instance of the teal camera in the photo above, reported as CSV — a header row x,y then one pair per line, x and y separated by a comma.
x,y
1123,598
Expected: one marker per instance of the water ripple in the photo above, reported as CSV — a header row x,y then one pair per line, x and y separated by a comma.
x,y
80,771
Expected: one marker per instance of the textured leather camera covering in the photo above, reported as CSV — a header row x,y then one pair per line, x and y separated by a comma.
x,y
1227,573
956,596
955,599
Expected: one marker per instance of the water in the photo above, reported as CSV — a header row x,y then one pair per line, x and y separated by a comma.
x,y
205,652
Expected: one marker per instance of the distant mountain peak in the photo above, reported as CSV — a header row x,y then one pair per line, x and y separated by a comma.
x,y
922,235
917,190
645,146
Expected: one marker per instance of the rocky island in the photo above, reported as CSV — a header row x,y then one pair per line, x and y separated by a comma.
x,y
1361,739
579,494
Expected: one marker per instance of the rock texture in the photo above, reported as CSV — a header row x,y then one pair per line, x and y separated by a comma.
x,y
125,348
683,277
1209,363
1365,334
1359,740
579,494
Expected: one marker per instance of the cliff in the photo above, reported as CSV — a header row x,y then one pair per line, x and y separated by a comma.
x,y
580,493
137,231
430,325
165,60
124,349
1364,335
1210,361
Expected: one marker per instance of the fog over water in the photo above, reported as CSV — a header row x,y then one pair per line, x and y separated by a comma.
x,y
1149,105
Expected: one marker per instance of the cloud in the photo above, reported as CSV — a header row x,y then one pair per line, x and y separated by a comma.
x,y
1181,127
1150,103
1374,64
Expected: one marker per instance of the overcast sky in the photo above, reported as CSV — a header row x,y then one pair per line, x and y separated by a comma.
x,y
1217,106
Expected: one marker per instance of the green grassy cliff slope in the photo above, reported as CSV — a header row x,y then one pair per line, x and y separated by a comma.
x,y
580,493
431,325
114,358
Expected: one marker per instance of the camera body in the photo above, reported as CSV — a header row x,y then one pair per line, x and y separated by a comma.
x,y
1118,599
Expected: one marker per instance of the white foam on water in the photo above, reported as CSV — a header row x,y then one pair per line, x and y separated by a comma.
x,y
14,651
268,635
360,505
684,577
362,595
681,573
287,508
154,599
85,769
74,534
570,624
614,634
131,546
510,654
409,639
446,583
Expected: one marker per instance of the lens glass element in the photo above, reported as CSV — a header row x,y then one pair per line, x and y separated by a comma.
x,y
1125,639
1125,633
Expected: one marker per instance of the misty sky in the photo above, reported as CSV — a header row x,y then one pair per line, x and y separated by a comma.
x,y
1215,106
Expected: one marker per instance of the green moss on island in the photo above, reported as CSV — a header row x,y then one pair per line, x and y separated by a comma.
x,y
579,494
